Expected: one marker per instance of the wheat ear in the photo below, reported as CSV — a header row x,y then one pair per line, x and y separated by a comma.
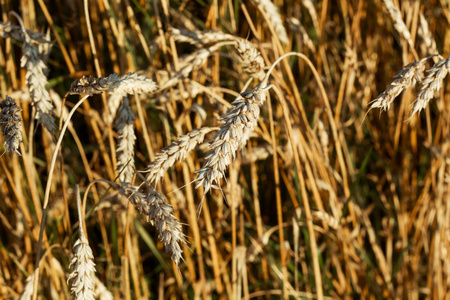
x,y
82,263
251,59
403,80
177,151
27,292
125,144
36,80
430,84
274,18
200,38
11,124
16,32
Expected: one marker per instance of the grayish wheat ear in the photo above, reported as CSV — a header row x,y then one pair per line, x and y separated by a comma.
x,y
82,263
431,83
177,151
160,213
15,32
125,144
11,124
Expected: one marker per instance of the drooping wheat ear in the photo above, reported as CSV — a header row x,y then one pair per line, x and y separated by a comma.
x,y
403,80
126,84
296,26
82,264
36,80
15,32
200,38
251,59
190,63
177,151
396,17
430,84
125,144
244,115
160,213
11,124
274,18
428,44
27,292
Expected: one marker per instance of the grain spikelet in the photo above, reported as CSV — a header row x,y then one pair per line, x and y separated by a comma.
x,y
274,18
431,83
125,144
227,141
11,124
199,38
251,59
403,80
160,213
177,151
396,17
126,84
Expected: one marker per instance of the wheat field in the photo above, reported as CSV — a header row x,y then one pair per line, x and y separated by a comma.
x,y
253,149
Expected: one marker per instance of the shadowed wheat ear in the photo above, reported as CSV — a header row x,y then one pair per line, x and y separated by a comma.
x,y
82,263
251,60
11,124
16,32
125,144
155,208
410,74
430,84
177,151
36,80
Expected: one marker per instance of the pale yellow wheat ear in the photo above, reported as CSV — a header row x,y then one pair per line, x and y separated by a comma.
x,y
431,84
27,292
125,144
199,38
250,59
11,124
81,278
274,18
36,80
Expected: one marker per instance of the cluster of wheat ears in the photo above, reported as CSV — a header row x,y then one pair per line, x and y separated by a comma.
x,y
315,172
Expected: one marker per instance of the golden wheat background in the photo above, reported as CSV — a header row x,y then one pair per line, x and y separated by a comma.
x,y
336,181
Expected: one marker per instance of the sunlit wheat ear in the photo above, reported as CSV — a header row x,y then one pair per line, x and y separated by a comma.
x,y
274,18
160,213
125,144
251,59
244,115
430,84
177,151
126,84
36,81
199,38
27,292
403,80
82,263
11,124
397,20
101,291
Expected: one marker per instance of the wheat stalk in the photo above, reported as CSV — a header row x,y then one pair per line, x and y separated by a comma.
x,y
11,124
430,84
403,80
82,263
126,84
125,144
158,211
177,151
